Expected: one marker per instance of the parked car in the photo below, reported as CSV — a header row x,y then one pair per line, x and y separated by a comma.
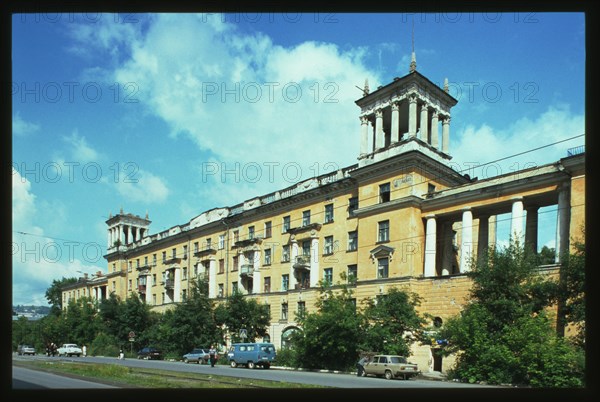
x,y
69,349
198,355
150,353
25,350
390,366
251,355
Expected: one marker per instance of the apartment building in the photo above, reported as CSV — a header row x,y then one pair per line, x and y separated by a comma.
x,y
400,217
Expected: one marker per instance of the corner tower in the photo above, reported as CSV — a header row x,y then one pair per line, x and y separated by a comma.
x,y
124,229
408,114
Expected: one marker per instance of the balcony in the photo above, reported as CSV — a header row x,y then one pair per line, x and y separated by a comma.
x,y
145,267
302,262
247,270
169,284
142,288
248,242
302,285
172,260
208,250
305,228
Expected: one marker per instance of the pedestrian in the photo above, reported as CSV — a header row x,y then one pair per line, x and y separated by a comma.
x,y
84,350
360,366
212,355
121,354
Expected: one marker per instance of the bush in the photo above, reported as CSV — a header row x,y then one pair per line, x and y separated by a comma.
x,y
104,345
286,357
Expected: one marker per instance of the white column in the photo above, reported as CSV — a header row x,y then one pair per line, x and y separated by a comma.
x,y
516,222
129,234
379,136
446,134
531,228
483,237
430,246
256,272
109,238
412,115
177,285
294,254
424,123
434,129
364,135
136,233
212,278
562,224
466,244
314,262
121,229
395,135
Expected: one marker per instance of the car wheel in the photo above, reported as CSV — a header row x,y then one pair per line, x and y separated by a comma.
x,y
388,375
186,360
251,365
233,364
267,365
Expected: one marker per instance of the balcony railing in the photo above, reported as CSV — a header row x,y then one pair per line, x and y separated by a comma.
x,y
172,260
169,284
142,288
205,251
247,269
302,262
256,239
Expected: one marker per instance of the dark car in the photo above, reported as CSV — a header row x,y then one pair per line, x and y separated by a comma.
x,y
198,355
150,353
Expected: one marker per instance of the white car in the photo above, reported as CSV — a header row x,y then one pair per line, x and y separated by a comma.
x,y
69,349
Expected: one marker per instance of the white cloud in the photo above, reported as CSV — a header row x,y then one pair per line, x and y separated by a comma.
x,y
143,187
80,150
484,144
21,127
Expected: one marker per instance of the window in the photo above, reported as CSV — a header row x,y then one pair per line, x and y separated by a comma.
x,y
267,229
221,241
129,266
196,247
383,232
220,290
114,286
146,261
196,270
221,266
328,213
184,294
306,218
285,226
284,311
352,205
353,240
154,259
352,272
267,256
137,263
384,192
164,255
235,263
328,248
114,267
128,287
301,308
250,232
154,300
267,288
306,248
163,298
328,276
173,252
234,287
285,282
184,273
185,251
382,267
236,236
208,243
285,253
153,279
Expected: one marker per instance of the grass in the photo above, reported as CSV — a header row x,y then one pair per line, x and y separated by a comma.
x,y
133,377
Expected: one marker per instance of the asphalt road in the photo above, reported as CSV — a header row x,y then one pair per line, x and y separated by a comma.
x,y
22,377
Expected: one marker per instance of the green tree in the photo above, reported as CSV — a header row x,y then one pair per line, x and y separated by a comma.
x,y
239,313
504,334
54,294
81,321
330,336
392,323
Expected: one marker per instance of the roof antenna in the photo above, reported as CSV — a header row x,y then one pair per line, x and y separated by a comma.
x,y
413,59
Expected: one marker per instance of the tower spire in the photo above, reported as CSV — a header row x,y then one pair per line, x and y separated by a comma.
x,y
413,59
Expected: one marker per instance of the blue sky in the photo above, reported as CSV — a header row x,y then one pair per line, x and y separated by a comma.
x,y
172,115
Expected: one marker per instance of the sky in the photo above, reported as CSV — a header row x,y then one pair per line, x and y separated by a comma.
x,y
173,114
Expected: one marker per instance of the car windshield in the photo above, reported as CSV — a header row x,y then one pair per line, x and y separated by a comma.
x,y
398,359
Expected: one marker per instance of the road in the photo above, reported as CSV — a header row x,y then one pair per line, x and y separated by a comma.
x,y
335,380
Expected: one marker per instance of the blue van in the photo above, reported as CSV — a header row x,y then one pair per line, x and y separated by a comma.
x,y
251,355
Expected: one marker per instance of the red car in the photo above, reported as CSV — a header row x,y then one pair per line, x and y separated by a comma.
x,y
150,354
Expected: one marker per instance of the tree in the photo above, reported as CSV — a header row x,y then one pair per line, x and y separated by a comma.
x,y
242,313
393,323
54,294
330,336
504,334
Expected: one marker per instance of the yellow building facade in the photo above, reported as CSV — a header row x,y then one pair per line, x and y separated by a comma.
x,y
401,217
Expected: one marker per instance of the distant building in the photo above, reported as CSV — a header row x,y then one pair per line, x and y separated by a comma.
x,y
401,217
